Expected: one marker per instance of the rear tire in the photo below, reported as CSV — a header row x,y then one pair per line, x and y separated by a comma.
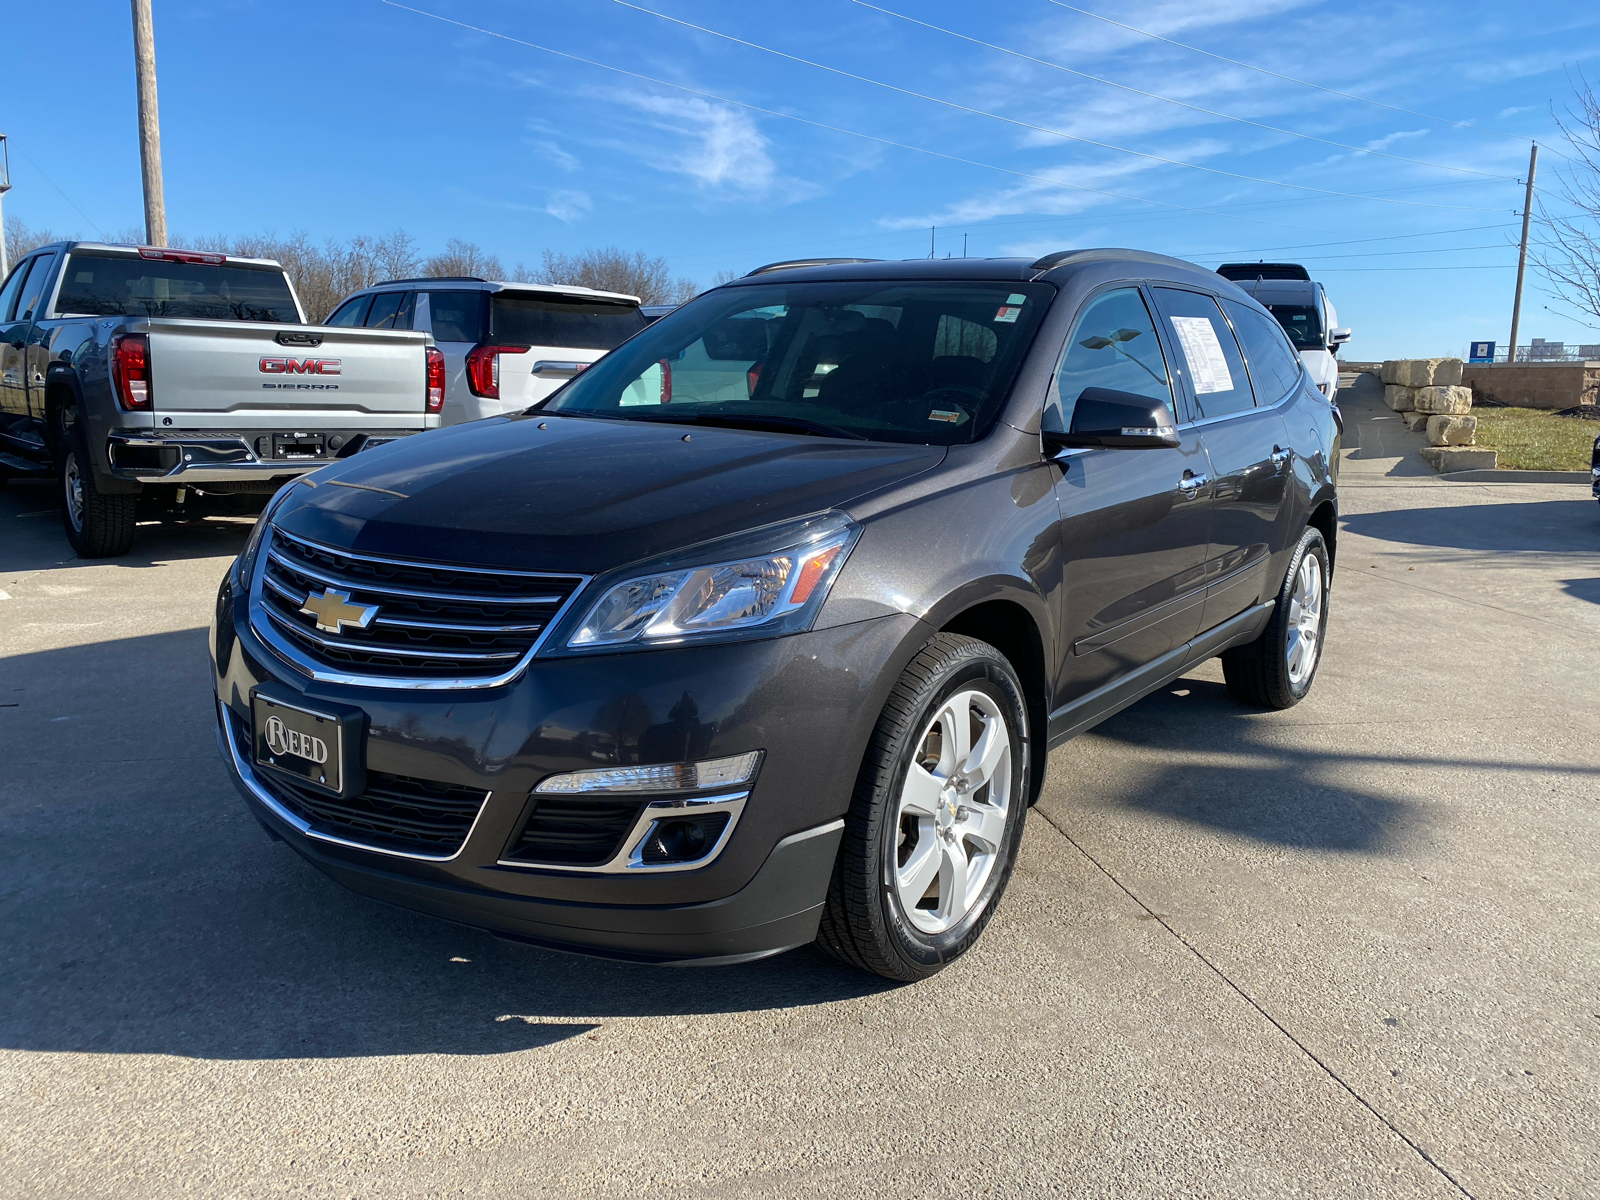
x,y
1278,668
99,525
936,817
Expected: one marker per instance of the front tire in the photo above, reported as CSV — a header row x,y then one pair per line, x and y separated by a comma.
x,y
1277,669
937,815
99,525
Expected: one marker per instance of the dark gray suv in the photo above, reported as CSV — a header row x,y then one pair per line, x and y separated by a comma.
x,y
758,632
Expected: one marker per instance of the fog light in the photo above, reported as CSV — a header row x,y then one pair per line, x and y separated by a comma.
x,y
683,839
667,777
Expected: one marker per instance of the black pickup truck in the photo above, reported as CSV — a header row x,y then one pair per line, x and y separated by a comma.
x,y
134,371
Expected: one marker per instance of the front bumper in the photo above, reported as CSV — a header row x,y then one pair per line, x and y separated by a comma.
x,y
203,456
808,701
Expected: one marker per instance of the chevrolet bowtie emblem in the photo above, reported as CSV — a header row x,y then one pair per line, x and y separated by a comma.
x,y
333,611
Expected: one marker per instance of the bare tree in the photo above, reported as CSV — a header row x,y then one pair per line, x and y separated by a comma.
x,y
724,276
1569,254
20,238
464,258
613,270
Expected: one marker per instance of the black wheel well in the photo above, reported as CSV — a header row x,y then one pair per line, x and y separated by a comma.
x,y
1326,519
58,395
1010,629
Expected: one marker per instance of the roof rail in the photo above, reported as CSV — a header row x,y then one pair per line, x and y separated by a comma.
x,y
434,279
1053,259
808,262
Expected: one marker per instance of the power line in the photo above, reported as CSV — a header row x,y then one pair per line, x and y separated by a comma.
x,y
1180,103
64,196
1027,125
1058,183
1288,78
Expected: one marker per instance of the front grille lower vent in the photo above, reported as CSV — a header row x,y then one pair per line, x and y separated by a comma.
x,y
433,621
396,812
569,831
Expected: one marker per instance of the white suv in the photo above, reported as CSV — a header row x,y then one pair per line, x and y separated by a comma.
x,y
506,345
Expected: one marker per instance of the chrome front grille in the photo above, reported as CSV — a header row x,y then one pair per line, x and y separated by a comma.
x,y
434,625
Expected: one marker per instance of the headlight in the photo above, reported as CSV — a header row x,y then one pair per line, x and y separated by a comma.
x,y
777,589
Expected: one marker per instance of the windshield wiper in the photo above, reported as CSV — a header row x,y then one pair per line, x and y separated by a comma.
x,y
767,421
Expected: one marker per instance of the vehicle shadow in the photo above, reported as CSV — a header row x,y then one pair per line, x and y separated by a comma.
x,y
1208,767
143,910
31,538
1582,589
1548,526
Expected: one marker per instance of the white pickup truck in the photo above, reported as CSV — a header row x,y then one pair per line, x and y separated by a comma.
x,y
144,372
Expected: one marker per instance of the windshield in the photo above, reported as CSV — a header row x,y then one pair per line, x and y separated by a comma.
x,y
926,363
561,323
1301,323
125,285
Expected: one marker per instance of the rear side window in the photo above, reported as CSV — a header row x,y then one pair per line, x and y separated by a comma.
x,y
1113,345
31,297
557,322
1207,351
456,316
1274,367
351,313
385,307
98,284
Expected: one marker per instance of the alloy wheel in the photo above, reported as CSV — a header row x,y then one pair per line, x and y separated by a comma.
x,y
953,811
1302,644
74,491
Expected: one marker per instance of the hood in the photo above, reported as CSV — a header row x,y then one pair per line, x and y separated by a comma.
x,y
551,493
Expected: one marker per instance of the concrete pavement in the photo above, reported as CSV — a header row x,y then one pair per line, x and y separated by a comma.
x,y
1345,950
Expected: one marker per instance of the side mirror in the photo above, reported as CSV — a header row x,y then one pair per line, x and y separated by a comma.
x,y
1116,420
1338,337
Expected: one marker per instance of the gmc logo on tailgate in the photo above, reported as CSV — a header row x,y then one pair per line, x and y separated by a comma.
x,y
300,366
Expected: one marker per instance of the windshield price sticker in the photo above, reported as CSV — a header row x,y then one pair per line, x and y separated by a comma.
x,y
1008,313
1207,366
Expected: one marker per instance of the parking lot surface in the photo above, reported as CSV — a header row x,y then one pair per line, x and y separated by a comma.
x,y
1350,949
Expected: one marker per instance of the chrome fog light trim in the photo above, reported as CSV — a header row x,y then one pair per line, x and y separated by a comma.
x,y
666,777
629,860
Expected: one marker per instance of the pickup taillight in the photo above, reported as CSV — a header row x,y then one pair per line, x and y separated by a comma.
x,y
483,368
435,379
130,370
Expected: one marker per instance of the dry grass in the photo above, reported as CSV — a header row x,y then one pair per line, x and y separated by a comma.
x,y
1530,439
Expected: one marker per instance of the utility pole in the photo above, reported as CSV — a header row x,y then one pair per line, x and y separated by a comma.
x,y
5,186
1522,256
933,233
144,57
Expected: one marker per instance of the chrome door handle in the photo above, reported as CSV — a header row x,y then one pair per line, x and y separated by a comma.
x,y
547,367
1281,456
1190,484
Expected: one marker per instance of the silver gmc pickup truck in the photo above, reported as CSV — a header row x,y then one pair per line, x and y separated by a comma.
x,y
144,377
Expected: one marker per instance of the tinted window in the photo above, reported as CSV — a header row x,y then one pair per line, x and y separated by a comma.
x,y
1207,351
350,313
31,296
8,297
1113,345
456,316
927,363
127,285
1302,323
1274,367
384,307
577,324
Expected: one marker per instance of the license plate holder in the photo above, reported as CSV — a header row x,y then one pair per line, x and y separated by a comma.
x,y
316,743
298,445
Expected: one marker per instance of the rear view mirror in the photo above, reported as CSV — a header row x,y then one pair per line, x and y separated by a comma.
x,y
1116,420
1338,337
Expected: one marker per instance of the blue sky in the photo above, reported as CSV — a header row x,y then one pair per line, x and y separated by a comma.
x,y
357,116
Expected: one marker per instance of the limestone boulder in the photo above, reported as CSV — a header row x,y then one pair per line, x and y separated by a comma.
x,y
1415,420
1445,430
1425,372
1460,458
1447,371
1399,398
1390,371
1448,400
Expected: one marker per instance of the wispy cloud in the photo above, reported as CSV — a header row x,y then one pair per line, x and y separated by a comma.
x,y
568,206
557,156
720,148
1514,110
